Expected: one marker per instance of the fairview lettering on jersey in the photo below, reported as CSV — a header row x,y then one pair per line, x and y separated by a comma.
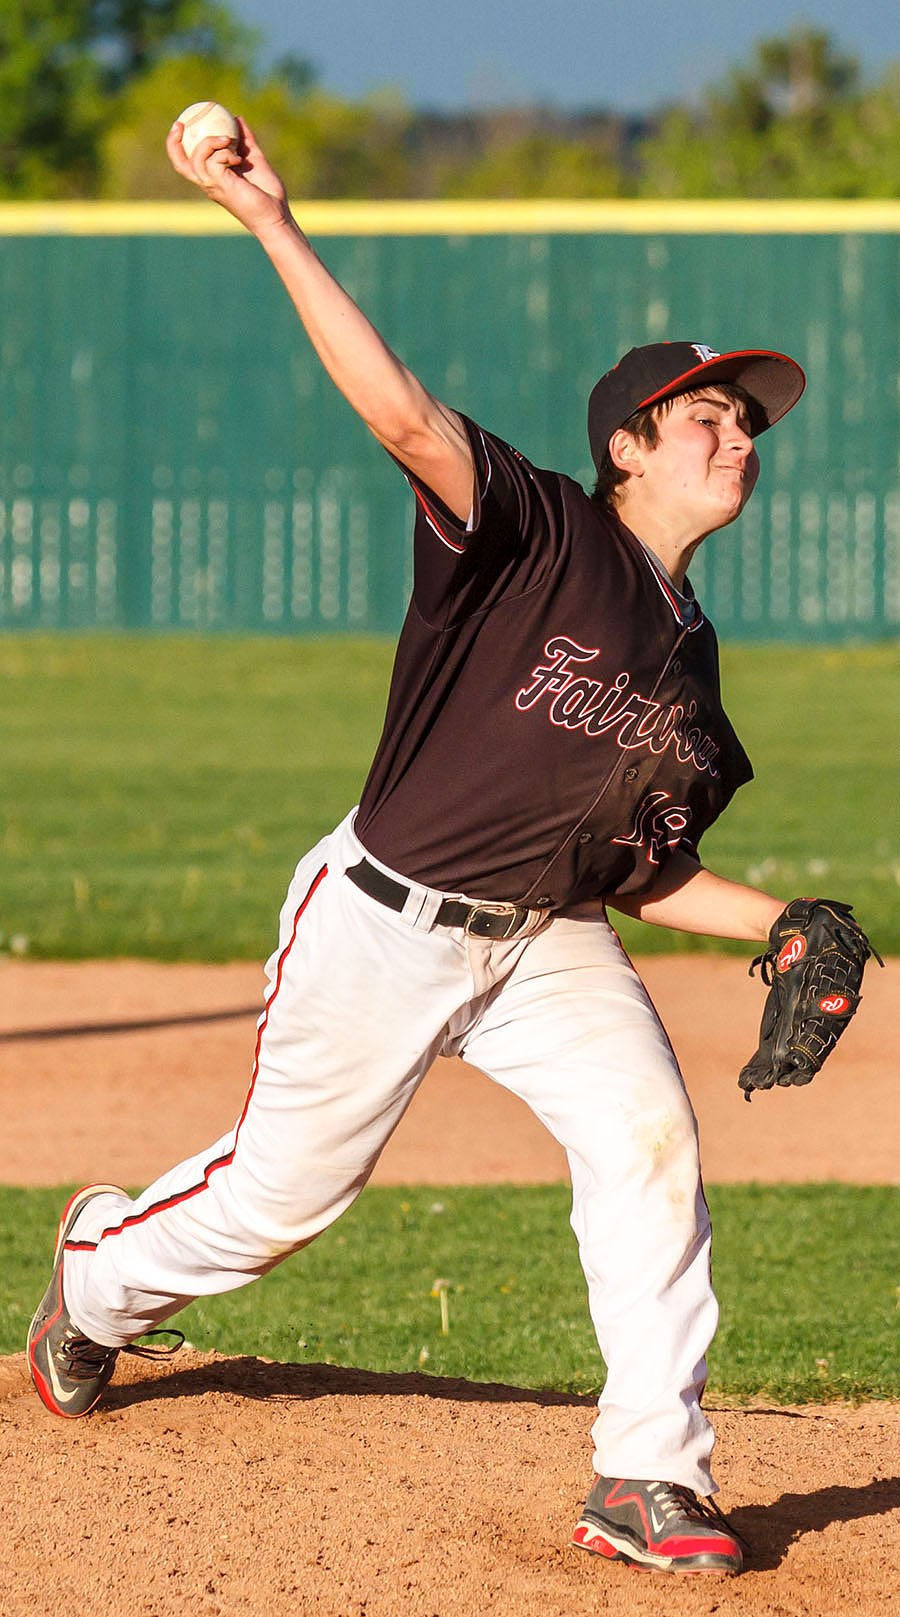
x,y
577,703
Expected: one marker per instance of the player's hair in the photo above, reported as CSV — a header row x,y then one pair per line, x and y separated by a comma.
x,y
644,424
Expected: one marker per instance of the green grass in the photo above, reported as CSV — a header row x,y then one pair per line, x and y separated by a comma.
x,y
156,793
808,1278
821,816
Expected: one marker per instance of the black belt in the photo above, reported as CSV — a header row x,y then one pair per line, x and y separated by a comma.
x,y
487,920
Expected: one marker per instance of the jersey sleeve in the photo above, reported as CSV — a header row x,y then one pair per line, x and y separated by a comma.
x,y
510,539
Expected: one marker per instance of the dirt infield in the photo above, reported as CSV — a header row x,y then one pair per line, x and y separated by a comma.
x,y
148,1097
222,1486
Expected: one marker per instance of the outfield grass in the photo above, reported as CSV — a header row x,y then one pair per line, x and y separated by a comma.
x,y
808,1278
156,792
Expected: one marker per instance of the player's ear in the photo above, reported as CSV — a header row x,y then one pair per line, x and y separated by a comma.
x,y
625,452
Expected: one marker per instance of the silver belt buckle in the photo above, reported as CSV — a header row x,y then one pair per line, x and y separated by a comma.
x,y
485,921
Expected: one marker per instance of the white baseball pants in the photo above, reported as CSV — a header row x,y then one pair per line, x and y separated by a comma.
x,y
360,1000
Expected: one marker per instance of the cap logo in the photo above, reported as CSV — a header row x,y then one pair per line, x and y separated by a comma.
x,y
704,353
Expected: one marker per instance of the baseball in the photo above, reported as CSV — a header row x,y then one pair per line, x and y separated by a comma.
x,y
204,118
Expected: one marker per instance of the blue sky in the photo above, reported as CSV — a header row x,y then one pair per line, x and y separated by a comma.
x,y
571,53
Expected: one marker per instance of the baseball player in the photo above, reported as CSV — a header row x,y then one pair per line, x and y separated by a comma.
x,y
554,744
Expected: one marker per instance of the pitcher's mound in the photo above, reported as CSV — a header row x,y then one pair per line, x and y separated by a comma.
x,y
218,1486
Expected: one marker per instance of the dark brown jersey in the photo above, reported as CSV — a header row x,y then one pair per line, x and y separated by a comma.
x,y
554,728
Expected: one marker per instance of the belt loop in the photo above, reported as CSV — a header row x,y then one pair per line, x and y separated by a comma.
x,y
421,907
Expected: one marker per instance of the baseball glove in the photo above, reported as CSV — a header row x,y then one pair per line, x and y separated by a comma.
x,y
813,969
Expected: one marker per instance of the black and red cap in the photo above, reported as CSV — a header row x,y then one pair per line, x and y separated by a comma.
x,y
658,371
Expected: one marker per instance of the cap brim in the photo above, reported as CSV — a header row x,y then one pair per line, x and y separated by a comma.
x,y
773,381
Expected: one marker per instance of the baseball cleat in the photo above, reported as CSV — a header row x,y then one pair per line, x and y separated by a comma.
x,y
658,1525
67,1368
70,1371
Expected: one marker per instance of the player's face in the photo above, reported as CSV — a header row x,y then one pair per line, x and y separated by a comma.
x,y
703,467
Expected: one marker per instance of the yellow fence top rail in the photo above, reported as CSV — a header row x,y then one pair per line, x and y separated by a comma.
x,y
540,217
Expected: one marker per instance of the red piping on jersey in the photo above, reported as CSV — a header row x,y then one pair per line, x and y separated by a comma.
x,y
220,1162
432,521
672,598
487,464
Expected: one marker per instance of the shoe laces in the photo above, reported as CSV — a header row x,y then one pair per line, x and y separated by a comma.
x,y
686,1502
82,1359
140,1351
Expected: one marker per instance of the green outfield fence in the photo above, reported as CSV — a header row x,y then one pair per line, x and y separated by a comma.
x,y
172,456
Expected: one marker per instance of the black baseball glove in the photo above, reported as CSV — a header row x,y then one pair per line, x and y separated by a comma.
x,y
813,968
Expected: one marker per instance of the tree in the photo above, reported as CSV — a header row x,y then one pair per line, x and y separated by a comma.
x,y
61,61
88,88
133,35
801,73
536,165
50,98
321,145
786,126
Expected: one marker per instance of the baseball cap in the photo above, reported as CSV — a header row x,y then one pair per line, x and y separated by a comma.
x,y
646,375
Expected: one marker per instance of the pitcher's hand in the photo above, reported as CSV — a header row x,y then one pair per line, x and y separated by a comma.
x,y
243,181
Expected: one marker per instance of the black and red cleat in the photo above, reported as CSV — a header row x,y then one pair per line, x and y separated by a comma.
x,y
658,1525
67,1368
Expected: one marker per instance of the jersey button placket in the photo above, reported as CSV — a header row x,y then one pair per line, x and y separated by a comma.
x,y
631,773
